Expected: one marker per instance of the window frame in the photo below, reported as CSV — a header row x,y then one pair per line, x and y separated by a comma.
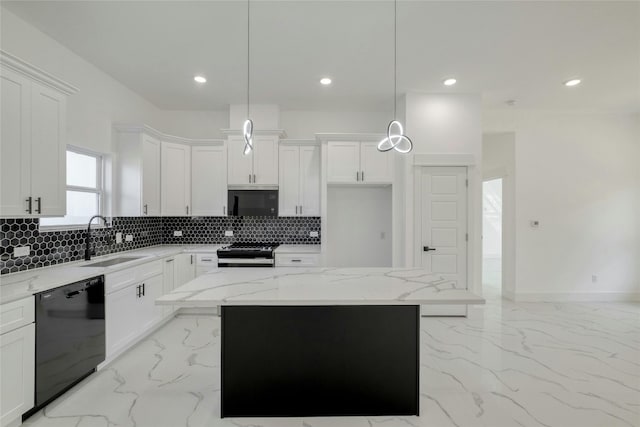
x,y
98,190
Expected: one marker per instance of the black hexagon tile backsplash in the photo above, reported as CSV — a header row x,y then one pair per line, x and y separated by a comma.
x,y
56,247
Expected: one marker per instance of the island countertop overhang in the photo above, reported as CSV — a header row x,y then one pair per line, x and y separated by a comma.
x,y
318,286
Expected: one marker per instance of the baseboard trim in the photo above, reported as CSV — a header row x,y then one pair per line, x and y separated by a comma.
x,y
575,297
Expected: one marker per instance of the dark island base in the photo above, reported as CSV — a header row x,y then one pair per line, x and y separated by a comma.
x,y
295,361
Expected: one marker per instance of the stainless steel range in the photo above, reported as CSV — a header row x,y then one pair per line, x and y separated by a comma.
x,y
247,255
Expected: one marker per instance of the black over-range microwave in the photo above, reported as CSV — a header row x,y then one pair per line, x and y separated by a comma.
x,y
253,202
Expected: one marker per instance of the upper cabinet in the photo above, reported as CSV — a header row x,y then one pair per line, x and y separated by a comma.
x,y
33,140
299,189
354,162
260,166
209,180
137,171
175,181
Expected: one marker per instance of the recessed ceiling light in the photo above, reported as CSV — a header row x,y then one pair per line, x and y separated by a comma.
x,y
200,79
449,82
572,82
325,81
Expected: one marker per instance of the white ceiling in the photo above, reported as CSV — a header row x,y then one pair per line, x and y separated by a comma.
x,y
503,50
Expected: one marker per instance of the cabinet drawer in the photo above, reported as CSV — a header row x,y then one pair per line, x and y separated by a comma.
x,y
16,314
207,260
122,279
298,260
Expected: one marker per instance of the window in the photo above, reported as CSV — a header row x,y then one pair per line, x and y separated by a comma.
x,y
84,189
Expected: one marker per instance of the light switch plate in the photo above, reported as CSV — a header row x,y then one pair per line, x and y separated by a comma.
x,y
118,237
177,233
228,233
19,251
128,238
313,234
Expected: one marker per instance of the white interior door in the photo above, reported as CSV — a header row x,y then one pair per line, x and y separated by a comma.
x,y
441,229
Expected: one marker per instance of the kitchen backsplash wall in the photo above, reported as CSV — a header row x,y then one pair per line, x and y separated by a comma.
x,y
56,247
290,230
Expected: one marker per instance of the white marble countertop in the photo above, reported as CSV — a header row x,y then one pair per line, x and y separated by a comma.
x,y
317,286
25,283
298,249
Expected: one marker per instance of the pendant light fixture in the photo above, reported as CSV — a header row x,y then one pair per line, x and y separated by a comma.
x,y
395,139
247,128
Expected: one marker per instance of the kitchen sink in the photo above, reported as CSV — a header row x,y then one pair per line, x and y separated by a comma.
x,y
112,261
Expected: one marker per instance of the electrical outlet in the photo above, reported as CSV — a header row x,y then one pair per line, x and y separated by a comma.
x,y
228,233
128,238
118,237
177,233
19,251
313,234
594,278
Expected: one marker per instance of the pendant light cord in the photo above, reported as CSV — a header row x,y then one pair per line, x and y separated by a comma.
x,y
395,58
248,52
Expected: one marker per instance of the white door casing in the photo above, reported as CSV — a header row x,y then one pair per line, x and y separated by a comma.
x,y
441,225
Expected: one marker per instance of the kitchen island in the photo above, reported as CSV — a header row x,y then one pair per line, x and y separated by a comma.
x,y
319,341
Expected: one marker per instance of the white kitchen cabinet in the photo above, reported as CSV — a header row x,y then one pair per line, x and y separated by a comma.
x,y
205,263
121,319
169,281
175,181
137,172
298,260
149,314
17,364
299,189
209,180
358,163
260,167
186,268
33,141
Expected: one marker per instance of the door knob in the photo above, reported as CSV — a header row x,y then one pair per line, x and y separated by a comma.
x,y
427,249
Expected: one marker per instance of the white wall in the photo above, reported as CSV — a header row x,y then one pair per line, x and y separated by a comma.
x,y
305,124
358,227
446,124
101,100
578,174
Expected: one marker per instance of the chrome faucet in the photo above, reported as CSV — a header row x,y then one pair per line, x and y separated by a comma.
x,y
87,237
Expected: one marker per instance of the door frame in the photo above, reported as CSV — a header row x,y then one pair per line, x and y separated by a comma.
x,y
474,211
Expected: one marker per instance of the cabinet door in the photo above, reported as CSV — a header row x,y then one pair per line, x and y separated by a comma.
x,y
376,167
240,167
310,181
176,179
121,318
265,160
289,188
149,312
343,162
186,268
150,176
209,180
15,144
168,282
48,151
17,364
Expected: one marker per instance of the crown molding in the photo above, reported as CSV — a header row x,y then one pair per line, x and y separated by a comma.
x,y
38,74
280,133
299,142
356,137
141,128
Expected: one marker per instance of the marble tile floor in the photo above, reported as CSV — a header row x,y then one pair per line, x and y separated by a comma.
x,y
519,364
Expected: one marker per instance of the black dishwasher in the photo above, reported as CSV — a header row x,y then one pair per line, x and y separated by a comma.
x,y
70,337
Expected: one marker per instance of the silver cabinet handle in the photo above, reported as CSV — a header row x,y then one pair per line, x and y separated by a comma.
x,y
357,176
362,176
206,259
300,209
191,259
169,260
249,178
28,200
224,210
145,209
254,178
296,209
296,260
39,202
187,209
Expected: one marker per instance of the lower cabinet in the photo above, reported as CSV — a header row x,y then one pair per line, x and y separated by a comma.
x,y
206,262
17,364
186,268
298,260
